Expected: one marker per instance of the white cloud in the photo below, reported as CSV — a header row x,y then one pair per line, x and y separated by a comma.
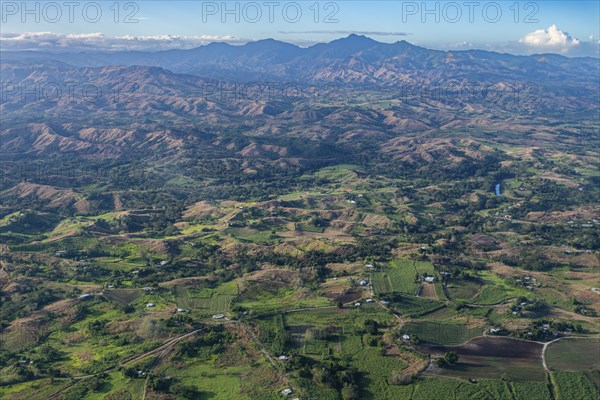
x,y
98,41
550,39
461,46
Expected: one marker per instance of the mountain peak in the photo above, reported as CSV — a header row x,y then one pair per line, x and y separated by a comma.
x,y
270,43
345,46
355,38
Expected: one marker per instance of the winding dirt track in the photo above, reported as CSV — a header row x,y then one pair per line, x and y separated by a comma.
x,y
162,349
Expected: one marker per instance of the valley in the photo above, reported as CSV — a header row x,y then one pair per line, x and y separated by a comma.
x,y
376,241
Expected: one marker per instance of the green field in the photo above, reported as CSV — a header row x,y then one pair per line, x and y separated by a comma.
x,y
215,383
415,306
573,385
440,332
574,355
377,372
263,301
463,289
250,235
492,295
484,289
399,277
206,300
429,388
530,390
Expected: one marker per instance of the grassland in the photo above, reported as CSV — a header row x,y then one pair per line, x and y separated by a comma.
x,y
574,355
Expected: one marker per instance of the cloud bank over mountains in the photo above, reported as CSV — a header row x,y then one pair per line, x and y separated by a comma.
x,y
50,41
550,40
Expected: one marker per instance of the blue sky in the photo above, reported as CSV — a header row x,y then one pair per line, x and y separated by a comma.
x,y
500,25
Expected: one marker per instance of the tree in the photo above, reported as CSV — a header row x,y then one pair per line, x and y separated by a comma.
x,y
158,384
280,342
186,391
451,357
371,326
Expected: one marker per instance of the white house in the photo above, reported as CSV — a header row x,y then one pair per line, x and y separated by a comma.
x,y
286,392
150,305
369,300
356,304
430,279
218,316
405,337
363,282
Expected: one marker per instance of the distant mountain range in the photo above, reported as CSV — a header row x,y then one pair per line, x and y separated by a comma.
x,y
352,60
397,100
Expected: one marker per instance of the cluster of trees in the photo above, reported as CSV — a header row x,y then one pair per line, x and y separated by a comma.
x,y
450,358
332,372
211,340
168,385
28,297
